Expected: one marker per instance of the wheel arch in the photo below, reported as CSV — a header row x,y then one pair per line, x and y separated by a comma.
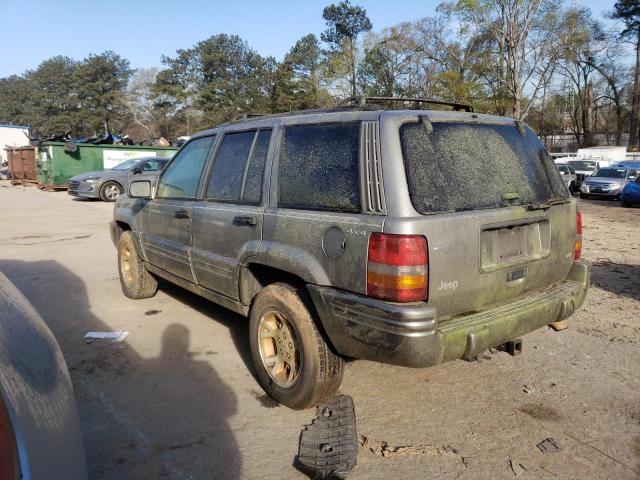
x,y
256,276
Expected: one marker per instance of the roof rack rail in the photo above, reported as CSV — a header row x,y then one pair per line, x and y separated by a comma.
x,y
246,116
361,101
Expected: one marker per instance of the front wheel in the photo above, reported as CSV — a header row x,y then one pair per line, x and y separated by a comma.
x,y
110,191
293,362
625,203
584,195
135,280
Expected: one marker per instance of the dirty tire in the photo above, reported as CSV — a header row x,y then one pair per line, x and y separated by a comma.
x,y
625,203
108,189
321,370
135,280
582,195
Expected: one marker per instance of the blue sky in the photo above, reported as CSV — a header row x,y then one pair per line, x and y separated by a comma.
x,y
143,31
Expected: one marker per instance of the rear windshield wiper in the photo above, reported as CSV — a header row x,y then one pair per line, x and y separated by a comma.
x,y
546,205
539,206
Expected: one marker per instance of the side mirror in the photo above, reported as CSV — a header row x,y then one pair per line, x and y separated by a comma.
x,y
140,189
136,171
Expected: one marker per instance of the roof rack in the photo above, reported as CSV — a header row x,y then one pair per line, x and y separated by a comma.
x,y
247,116
362,101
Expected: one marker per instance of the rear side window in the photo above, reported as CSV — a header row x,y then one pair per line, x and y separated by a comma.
x,y
238,169
318,167
459,166
182,175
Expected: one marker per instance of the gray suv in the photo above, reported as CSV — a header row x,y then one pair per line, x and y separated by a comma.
x,y
410,237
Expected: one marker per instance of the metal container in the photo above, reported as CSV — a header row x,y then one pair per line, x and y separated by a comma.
x,y
22,165
57,162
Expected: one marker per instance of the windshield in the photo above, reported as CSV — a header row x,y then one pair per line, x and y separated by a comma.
x,y
610,173
461,166
582,165
126,165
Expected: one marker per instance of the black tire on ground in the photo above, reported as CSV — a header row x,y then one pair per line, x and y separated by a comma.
x,y
108,191
135,280
583,195
625,203
572,187
320,370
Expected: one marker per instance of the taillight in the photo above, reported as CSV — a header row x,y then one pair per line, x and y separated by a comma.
x,y
577,249
8,450
398,267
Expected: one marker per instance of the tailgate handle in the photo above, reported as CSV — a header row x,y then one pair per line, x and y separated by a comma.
x,y
182,213
250,221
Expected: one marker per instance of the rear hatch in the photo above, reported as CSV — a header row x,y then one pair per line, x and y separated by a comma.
x,y
497,216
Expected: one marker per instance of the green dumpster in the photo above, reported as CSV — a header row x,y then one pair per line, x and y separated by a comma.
x,y
55,166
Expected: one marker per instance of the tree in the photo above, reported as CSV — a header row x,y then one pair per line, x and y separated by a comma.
x,y
528,39
305,61
137,97
214,81
460,58
389,65
100,81
345,22
628,11
15,94
52,106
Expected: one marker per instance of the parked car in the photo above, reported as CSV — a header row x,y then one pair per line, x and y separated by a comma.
x,y
631,193
39,427
583,168
109,184
568,176
634,164
607,182
411,237
4,171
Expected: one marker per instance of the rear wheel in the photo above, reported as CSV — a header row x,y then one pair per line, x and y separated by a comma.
x,y
625,203
135,280
584,195
293,362
110,191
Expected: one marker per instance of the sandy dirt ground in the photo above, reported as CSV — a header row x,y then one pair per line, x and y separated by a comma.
x,y
178,399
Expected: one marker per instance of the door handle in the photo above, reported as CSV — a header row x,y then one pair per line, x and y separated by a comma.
x,y
251,221
182,214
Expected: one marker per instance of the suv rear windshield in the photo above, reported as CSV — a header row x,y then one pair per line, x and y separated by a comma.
x,y
610,173
583,164
461,166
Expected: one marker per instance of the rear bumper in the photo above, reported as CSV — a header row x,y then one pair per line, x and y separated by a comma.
x,y
410,334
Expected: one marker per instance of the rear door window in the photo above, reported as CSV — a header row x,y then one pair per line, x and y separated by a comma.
x,y
238,169
182,176
319,167
461,166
